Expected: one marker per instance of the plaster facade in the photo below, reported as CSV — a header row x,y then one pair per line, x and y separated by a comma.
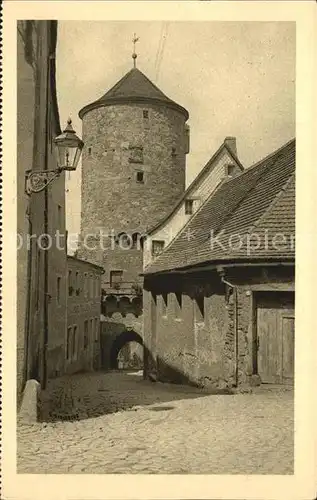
x,y
190,331
82,342
41,321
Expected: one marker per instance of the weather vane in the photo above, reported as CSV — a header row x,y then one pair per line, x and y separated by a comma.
x,y
134,55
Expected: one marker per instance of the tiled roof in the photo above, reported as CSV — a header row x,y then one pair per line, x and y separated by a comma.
x,y
260,201
74,259
134,86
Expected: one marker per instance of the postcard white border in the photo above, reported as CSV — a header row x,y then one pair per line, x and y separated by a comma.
x,y
301,484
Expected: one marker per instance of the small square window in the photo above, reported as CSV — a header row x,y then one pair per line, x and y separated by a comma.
x,y
140,176
230,170
157,246
189,207
136,154
116,279
58,297
145,114
59,216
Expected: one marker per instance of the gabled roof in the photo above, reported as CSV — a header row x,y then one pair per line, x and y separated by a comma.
x,y
207,168
75,259
259,201
133,87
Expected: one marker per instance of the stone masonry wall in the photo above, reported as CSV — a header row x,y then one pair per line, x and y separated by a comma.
x,y
182,345
111,196
119,142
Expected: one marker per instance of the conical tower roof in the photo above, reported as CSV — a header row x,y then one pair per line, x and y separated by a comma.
x,y
133,87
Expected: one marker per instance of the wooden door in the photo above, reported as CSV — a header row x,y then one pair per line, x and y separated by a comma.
x,y
275,337
288,341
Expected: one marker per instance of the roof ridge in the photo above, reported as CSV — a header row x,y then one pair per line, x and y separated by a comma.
x,y
234,208
254,184
267,157
234,156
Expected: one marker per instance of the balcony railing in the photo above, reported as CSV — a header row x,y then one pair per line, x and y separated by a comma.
x,y
122,288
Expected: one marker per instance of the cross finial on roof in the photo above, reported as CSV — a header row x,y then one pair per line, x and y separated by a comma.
x,y
134,55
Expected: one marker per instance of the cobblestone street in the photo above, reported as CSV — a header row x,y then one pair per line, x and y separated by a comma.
x,y
141,427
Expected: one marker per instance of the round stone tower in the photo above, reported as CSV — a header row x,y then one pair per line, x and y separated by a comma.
x,y
133,171
134,155
133,164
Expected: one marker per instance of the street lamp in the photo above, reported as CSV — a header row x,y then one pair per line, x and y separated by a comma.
x,y
68,150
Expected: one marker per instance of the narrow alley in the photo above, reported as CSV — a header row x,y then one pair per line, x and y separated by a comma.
x,y
125,424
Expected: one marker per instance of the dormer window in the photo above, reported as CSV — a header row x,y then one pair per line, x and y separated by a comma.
x,y
189,207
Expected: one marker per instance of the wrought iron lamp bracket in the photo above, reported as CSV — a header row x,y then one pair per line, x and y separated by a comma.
x,y
38,180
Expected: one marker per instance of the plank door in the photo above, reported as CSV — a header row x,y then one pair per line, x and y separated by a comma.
x,y
275,337
288,345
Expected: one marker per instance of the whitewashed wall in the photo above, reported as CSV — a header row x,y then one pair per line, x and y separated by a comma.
x,y
199,191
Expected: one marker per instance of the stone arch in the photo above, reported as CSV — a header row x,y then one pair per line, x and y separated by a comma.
x,y
122,339
109,305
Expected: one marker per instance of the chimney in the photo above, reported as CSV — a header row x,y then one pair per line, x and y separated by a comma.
x,y
231,144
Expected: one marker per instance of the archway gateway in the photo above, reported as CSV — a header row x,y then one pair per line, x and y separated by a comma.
x,y
123,339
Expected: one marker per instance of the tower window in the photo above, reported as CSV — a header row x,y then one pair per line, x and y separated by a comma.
x,y
59,216
189,207
58,295
140,176
145,114
116,279
89,151
173,151
136,154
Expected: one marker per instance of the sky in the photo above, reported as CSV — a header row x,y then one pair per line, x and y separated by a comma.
x,y
234,78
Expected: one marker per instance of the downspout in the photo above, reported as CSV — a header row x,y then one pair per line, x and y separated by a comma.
x,y
235,322
28,302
